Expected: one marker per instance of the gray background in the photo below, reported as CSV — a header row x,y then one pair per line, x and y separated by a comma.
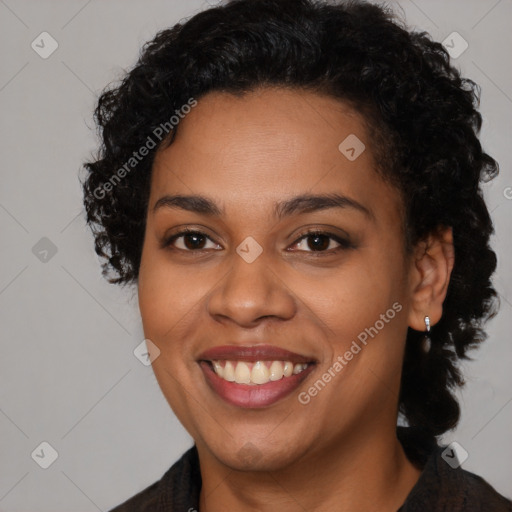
x,y
67,369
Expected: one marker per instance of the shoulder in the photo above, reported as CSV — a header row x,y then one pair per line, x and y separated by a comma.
x,y
178,489
443,484
479,495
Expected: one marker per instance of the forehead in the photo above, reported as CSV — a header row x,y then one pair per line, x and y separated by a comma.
x,y
257,148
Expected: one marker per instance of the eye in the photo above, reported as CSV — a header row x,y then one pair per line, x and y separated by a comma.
x,y
190,240
322,242
314,241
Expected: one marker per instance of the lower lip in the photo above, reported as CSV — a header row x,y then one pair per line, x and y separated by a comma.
x,y
253,396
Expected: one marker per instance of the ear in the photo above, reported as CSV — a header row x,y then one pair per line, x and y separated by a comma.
x,y
429,277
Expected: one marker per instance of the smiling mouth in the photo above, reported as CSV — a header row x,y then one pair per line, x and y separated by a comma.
x,y
256,376
257,373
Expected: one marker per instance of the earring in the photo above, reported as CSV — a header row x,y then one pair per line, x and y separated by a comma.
x,y
426,342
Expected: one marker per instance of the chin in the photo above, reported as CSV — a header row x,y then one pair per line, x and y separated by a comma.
x,y
254,456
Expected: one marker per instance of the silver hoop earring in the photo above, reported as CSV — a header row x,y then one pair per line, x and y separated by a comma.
x,y
426,343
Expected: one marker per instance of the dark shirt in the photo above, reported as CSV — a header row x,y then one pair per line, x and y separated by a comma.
x,y
439,488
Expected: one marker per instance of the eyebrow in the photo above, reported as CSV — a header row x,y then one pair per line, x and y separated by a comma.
x,y
305,203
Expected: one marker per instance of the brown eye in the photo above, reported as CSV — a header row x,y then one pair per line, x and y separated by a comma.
x,y
189,241
320,242
194,241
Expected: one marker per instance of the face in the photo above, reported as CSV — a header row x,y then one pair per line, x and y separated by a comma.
x,y
281,314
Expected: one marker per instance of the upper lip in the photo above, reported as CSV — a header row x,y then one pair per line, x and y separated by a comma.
x,y
252,353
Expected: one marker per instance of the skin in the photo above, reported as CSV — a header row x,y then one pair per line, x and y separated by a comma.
x,y
245,154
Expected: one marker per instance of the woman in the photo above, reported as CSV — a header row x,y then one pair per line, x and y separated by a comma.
x,y
293,187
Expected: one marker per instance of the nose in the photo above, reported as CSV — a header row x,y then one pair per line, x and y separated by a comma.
x,y
250,292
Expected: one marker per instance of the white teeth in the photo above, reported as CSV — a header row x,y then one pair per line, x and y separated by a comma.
x,y
229,372
218,368
276,370
242,373
259,372
298,368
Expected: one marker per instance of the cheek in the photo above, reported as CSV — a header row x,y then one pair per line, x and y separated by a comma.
x,y
169,298
168,294
353,296
362,315
362,309
160,314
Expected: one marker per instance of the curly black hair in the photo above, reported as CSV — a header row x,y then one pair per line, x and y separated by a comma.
x,y
422,116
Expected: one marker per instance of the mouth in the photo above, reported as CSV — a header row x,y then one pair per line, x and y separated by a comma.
x,y
254,377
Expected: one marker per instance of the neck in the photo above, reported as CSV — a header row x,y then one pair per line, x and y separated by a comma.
x,y
365,472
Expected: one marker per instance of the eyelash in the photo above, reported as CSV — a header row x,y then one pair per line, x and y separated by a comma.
x,y
343,243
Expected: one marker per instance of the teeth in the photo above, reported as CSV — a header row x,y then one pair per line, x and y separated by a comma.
x,y
288,369
259,372
218,368
299,368
276,370
229,372
242,373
